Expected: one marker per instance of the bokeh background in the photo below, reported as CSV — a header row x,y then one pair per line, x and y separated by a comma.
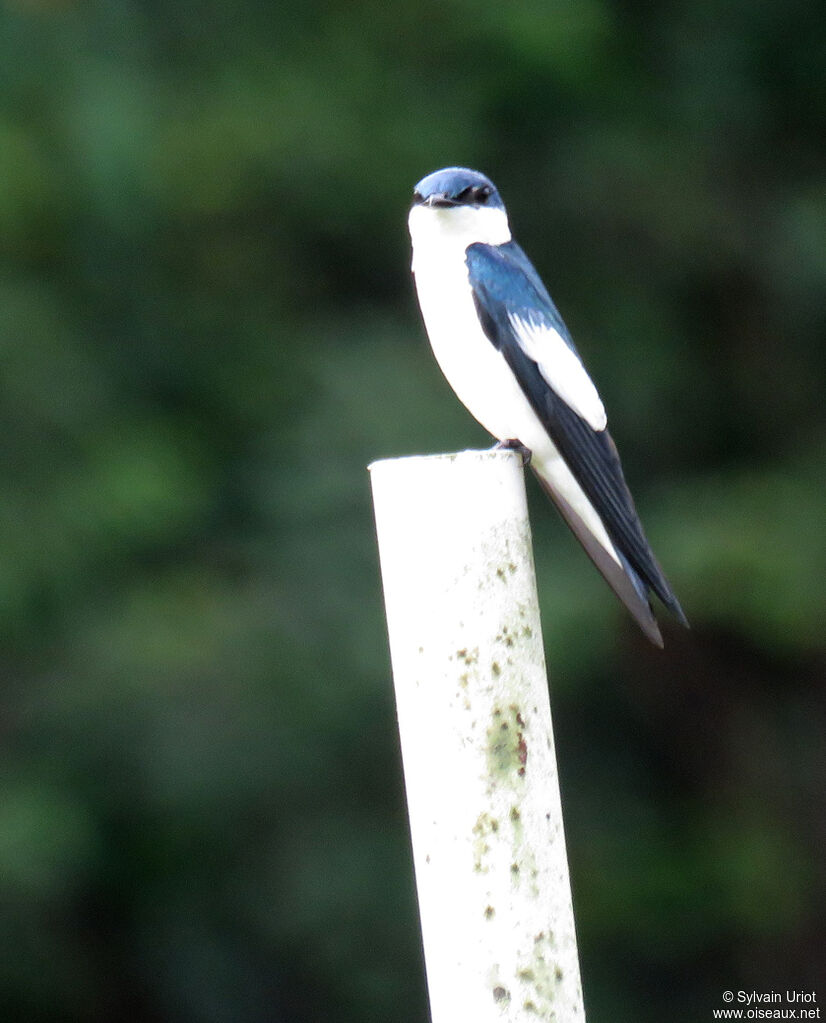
x,y
208,329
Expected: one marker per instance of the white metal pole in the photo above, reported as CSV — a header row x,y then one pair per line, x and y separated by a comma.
x,y
476,737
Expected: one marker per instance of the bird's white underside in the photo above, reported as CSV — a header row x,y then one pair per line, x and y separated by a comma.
x,y
474,368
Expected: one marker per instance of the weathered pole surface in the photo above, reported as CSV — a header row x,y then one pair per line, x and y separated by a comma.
x,y
477,739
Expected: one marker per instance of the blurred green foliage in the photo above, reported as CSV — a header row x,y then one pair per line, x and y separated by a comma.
x,y
207,330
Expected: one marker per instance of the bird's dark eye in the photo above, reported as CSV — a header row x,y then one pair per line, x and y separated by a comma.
x,y
474,194
417,196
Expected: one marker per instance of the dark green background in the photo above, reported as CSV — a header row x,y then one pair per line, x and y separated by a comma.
x,y
208,329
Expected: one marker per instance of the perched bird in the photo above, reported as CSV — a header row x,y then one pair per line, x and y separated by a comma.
x,y
507,354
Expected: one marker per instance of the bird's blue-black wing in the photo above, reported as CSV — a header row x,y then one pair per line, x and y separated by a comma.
x,y
506,285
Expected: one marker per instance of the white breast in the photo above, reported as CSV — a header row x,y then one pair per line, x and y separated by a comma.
x,y
474,368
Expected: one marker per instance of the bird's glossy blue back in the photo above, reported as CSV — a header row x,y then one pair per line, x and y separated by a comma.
x,y
505,275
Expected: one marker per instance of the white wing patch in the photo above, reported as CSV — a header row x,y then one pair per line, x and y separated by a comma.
x,y
561,369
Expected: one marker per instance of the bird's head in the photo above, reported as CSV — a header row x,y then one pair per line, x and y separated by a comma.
x,y
456,187
459,205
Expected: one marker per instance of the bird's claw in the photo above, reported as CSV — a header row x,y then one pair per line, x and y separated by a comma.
x,y
515,445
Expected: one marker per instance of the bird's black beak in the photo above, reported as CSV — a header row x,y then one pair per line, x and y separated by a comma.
x,y
440,200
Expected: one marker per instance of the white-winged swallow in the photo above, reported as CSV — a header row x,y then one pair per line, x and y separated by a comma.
x,y
508,355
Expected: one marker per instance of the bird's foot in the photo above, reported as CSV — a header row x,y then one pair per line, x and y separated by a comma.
x,y
515,445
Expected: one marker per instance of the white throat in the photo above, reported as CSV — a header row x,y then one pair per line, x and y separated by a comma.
x,y
451,229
